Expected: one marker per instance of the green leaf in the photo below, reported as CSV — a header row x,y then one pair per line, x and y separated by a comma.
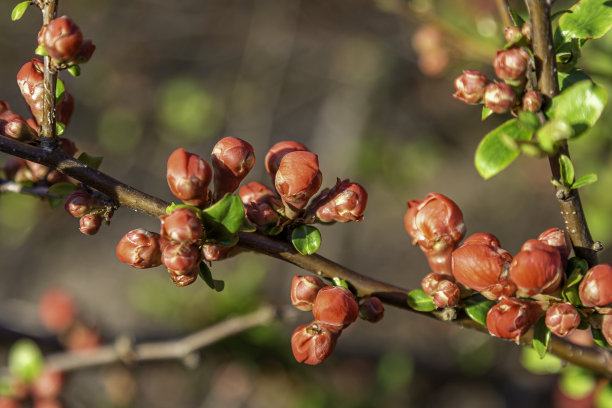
x,y
306,239
529,120
74,70
60,128
91,161
247,226
599,338
576,382
493,154
62,189
588,19
518,20
19,10
552,132
339,282
576,264
273,230
25,360
576,268
206,276
567,170
40,50
228,212
580,105
477,307
60,90
567,79
486,112
585,180
420,301
541,337
548,365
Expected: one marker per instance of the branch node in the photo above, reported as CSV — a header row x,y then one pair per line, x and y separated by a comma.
x,y
597,246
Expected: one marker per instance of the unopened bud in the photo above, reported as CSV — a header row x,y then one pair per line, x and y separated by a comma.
x,y
371,309
470,86
277,152
345,202
526,31
511,64
512,34
64,109
335,306
559,240
447,294
499,97
140,249
215,252
61,39
79,203
90,224
313,343
595,289
562,319
298,178
181,225
188,177
260,203
180,258
232,159
532,101
431,281
30,79
536,269
304,290
85,52
511,318
185,279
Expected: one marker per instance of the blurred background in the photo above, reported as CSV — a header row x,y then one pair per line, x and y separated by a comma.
x,y
365,84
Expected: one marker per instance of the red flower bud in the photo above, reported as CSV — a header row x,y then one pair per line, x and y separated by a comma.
x,y
188,177
277,152
596,286
61,38
30,80
181,225
140,249
499,97
559,240
185,279
511,64
64,109
313,343
56,310
436,225
260,204
215,252
48,385
15,126
562,319
511,318
79,203
85,52
446,294
532,101
180,258
371,309
90,224
298,178
536,269
512,34
431,281
232,159
304,290
345,202
480,263
335,306
470,86
606,328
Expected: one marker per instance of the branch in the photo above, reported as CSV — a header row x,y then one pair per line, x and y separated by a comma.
x,y
47,133
12,187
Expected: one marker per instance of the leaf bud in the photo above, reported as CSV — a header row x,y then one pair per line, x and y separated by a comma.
x,y
232,159
344,202
140,249
61,38
470,86
188,177
181,225
79,203
277,152
499,97
90,224
260,203
313,343
30,79
511,318
304,291
532,101
559,240
595,289
371,309
180,258
335,306
447,294
215,252
511,64
298,178
562,319
536,269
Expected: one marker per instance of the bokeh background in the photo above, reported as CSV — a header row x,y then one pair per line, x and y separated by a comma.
x,y
367,85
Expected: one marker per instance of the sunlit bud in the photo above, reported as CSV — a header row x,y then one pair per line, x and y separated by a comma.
x,y
562,319
499,97
79,203
13,125
276,153
188,177
64,109
260,203
185,279
232,159
536,269
511,318
606,328
140,249
559,240
30,80
345,202
470,86
532,101
526,30
446,294
596,287
90,224
61,39
56,310
298,178
512,34
215,252
511,64
431,281
48,385
313,343
180,258
335,306
371,309
304,290
181,225
436,225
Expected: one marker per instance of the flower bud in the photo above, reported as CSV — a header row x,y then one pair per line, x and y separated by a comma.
x,y
67,146
596,287
180,258
85,52
345,202
559,240
79,203
480,263
526,31
181,225
499,97
61,39
13,125
140,249
606,328
511,64
90,224
371,309
532,101
188,177
436,225
304,290
536,269
232,159
56,310
512,34
446,294
431,281
313,343
335,306
470,86
562,319
298,178
215,252
185,279
260,204
511,318
64,109
48,385
30,79
277,152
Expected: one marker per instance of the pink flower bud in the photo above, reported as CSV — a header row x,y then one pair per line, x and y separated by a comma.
x,y
470,86
499,97
335,306
56,310
260,203
277,152
79,203
511,318
215,252
436,225
536,269
61,38
512,34
431,281
511,64
562,319
304,290
447,294
140,249
481,263
313,343
559,240
345,202
526,31
30,80
606,328
298,178
371,309
532,101
185,279
188,177
595,290
90,224
181,225
180,258
232,159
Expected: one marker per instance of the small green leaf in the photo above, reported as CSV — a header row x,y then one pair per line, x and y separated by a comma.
x,y
486,112
339,282
529,120
60,128
60,90
247,226
588,19
228,212
552,132
518,20
61,189
174,206
40,50
493,155
550,364
91,161
206,276
576,264
306,239
273,230
420,301
19,10
25,360
585,180
567,170
599,338
541,337
74,70
477,307
567,79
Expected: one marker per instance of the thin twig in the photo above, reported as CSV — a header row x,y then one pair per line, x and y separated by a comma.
x,y
47,133
39,191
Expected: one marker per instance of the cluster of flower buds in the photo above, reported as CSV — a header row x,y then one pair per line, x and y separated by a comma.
x,y
62,40
89,210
